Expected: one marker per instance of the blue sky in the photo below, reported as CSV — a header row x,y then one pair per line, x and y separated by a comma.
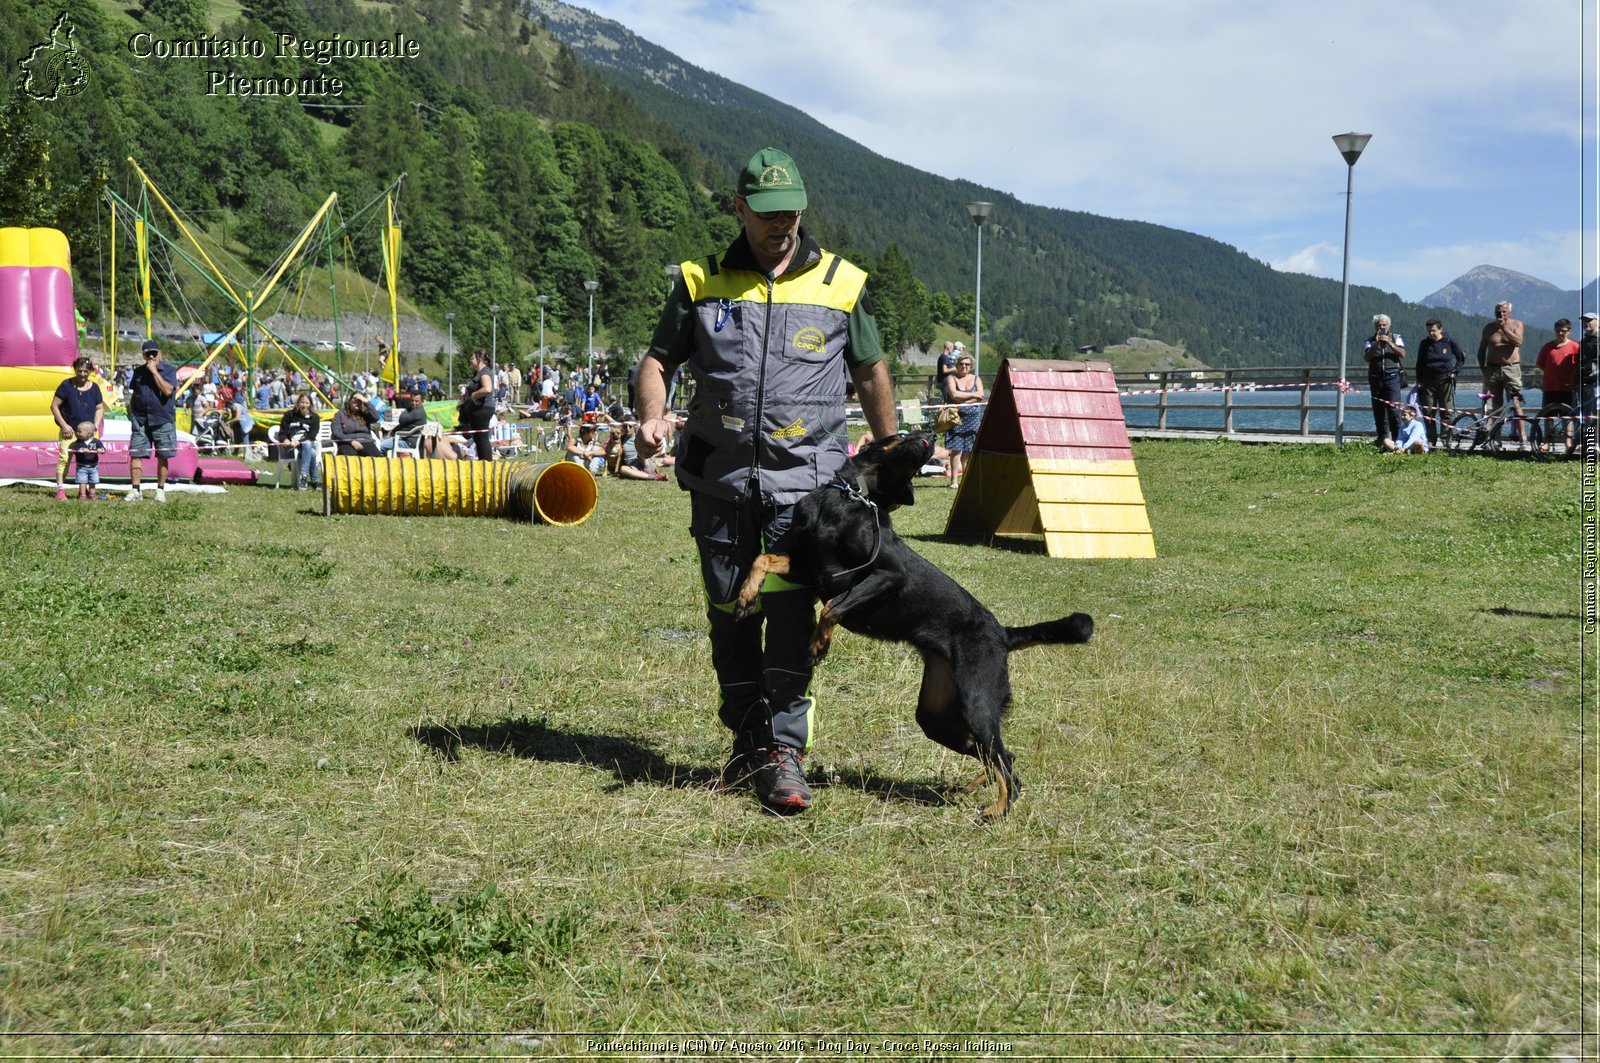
x,y
1213,116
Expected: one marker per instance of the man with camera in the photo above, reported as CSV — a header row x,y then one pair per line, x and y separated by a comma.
x,y
152,419
1385,352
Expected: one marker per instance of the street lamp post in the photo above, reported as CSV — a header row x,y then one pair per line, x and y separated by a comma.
x,y
450,358
1350,145
494,337
674,271
590,286
980,214
543,299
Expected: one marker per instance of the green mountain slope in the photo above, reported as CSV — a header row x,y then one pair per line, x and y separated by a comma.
x,y
1053,279
528,173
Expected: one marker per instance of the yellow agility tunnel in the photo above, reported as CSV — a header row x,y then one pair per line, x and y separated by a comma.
x,y
561,493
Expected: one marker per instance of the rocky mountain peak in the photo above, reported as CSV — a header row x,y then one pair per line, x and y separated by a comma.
x,y
1533,300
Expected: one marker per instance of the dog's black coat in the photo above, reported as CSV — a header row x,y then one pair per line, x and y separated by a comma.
x,y
872,583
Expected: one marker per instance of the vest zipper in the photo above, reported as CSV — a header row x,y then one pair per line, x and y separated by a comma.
x,y
753,484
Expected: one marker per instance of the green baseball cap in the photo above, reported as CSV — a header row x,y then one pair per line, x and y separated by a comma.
x,y
771,181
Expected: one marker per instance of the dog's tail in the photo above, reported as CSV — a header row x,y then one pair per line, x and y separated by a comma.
x,y
1075,628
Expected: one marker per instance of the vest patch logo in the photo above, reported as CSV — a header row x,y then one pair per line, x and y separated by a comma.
x,y
810,338
793,430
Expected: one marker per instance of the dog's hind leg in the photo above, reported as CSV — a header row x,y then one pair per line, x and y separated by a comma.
x,y
983,778
940,715
939,707
997,761
983,689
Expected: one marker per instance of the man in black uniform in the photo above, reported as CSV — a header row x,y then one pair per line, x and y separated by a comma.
x,y
768,331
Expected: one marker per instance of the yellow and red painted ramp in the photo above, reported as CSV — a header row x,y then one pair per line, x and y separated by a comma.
x,y
1053,458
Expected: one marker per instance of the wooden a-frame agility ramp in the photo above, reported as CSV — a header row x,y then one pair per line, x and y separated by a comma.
x,y
1052,458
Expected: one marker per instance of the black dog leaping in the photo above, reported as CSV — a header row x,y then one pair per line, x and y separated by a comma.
x,y
872,583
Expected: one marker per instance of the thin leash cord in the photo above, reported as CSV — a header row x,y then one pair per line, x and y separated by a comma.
x,y
877,535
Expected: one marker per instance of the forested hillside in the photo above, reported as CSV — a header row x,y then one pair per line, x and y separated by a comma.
x,y
1053,279
528,173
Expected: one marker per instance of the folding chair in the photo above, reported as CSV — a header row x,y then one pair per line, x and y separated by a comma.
x,y
409,444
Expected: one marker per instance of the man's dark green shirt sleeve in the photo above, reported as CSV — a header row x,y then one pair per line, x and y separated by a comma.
x,y
866,346
673,341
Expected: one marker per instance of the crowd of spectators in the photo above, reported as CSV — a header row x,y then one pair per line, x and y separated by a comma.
x,y
366,415
1569,370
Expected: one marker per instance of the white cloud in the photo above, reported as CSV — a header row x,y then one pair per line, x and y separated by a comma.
x,y
1211,116
1549,256
1416,271
1311,260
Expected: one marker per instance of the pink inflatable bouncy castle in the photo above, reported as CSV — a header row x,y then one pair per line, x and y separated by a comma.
x,y
38,331
38,343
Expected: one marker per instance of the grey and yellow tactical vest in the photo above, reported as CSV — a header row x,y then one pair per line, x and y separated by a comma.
x,y
767,414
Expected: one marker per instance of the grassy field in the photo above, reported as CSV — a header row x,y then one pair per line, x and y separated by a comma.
x,y
276,783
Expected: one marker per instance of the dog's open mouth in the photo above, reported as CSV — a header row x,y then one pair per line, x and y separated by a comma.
x,y
908,452
889,470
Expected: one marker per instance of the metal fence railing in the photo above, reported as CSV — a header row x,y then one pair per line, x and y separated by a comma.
x,y
1290,401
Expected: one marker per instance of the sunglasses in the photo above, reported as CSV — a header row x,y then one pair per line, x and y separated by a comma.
x,y
775,215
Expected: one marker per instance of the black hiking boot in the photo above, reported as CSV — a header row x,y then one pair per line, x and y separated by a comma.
x,y
781,784
749,753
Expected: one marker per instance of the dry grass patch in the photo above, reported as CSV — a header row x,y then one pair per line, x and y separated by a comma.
x,y
1314,787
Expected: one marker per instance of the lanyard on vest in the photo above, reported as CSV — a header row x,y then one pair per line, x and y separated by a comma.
x,y
754,482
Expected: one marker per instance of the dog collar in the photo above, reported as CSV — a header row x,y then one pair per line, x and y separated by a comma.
x,y
851,491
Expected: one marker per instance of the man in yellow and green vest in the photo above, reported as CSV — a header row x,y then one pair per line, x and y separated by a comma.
x,y
770,331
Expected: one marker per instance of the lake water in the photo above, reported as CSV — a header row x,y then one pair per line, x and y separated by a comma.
x,y
1203,409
